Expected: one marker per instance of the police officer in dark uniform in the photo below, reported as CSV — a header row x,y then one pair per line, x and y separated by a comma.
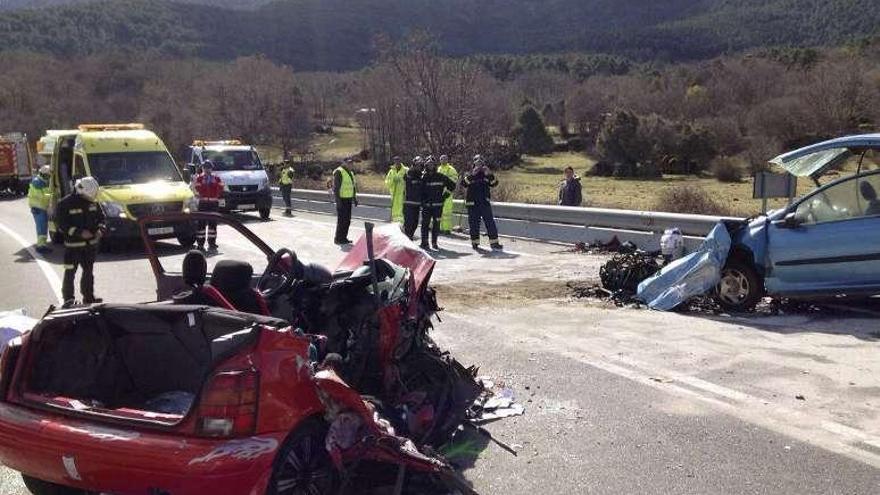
x,y
81,220
479,183
412,196
437,187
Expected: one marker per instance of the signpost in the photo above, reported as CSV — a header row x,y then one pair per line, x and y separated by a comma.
x,y
770,185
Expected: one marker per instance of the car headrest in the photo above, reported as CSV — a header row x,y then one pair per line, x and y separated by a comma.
x,y
312,272
868,191
232,276
195,268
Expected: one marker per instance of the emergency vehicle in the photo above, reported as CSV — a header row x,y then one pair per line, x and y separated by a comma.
x,y
246,183
137,175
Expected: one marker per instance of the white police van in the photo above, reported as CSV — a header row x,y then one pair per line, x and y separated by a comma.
x,y
246,183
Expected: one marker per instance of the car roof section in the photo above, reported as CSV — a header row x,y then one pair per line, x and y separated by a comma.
x,y
814,160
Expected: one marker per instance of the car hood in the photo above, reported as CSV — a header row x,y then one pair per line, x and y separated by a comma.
x,y
814,160
243,177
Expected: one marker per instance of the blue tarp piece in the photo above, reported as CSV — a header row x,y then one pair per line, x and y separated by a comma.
x,y
693,275
13,324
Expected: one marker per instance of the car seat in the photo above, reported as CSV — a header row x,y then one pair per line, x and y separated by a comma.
x,y
195,273
870,195
233,280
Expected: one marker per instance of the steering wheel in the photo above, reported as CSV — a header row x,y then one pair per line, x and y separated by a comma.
x,y
277,278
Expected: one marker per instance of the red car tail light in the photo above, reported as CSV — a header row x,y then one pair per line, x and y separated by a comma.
x,y
228,407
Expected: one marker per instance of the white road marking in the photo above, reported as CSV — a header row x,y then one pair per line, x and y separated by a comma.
x,y
45,266
804,426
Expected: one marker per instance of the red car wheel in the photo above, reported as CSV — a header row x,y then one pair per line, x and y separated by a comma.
x,y
304,465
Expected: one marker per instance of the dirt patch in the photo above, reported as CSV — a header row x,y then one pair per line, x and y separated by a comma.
x,y
514,293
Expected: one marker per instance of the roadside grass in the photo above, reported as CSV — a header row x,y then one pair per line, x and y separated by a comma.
x,y
535,180
344,142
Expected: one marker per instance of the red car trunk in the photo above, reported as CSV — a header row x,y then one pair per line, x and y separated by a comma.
x,y
145,364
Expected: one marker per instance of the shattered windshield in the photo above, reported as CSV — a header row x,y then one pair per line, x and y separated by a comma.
x,y
227,160
813,163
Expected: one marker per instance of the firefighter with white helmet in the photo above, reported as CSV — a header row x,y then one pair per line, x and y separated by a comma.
x,y
81,220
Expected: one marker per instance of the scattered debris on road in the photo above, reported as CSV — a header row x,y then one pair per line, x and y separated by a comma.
x,y
694,275
612,246
624,272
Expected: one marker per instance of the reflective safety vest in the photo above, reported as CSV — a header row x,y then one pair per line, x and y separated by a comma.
x,y
286,178
38,194
448,170
347,184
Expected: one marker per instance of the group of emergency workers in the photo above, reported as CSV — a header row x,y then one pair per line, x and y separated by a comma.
x,y
80,219
425,190
422,192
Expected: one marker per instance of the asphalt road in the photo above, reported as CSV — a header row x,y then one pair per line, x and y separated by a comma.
x,y
617,400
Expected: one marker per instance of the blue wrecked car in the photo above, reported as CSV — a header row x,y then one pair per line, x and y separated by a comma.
x,y
825,244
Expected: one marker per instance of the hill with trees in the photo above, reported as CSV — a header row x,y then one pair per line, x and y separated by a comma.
x,y
339,34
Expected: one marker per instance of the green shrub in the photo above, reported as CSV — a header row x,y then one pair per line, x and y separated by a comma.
x,y
726,170
688,199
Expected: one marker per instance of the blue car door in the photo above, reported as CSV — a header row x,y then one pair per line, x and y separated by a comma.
x,y
835,246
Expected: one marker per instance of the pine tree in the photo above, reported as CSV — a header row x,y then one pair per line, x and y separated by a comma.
x,y
531,134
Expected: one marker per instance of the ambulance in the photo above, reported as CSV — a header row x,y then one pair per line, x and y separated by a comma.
x,y
136,173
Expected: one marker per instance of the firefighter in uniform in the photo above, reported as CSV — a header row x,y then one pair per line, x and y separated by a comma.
x,y
81,221
38,200
412,196
285,183
395,184
345,194
446,168
208,189
479,183
436,189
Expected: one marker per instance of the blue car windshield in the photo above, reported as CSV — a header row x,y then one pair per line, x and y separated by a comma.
x,y
228,160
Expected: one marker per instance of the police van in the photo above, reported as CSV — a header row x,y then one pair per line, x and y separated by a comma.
x,y
245,181
136,173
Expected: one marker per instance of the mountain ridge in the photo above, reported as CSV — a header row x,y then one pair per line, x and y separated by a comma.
x,y
338,34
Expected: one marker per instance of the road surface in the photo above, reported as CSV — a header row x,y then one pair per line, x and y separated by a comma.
x,y
617,400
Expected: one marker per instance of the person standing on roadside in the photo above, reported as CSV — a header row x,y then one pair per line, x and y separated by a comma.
x,y
38,200
413,196
447,169
437,188
396,188
345,195
479,183
570,190
208,189
285,183
79,217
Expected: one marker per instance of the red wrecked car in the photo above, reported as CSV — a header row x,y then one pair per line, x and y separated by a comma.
x,y
291,381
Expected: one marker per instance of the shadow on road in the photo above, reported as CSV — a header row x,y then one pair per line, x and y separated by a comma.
x,y
24,256
856,318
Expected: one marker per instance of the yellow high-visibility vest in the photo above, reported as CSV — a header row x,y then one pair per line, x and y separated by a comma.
x,y
347,188
286,176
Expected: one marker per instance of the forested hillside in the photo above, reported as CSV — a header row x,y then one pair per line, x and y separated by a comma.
x,y
338,34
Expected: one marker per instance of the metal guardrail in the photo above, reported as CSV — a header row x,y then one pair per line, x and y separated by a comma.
x,y
630,220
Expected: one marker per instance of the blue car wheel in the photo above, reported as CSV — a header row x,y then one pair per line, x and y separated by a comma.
x,y
740,288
